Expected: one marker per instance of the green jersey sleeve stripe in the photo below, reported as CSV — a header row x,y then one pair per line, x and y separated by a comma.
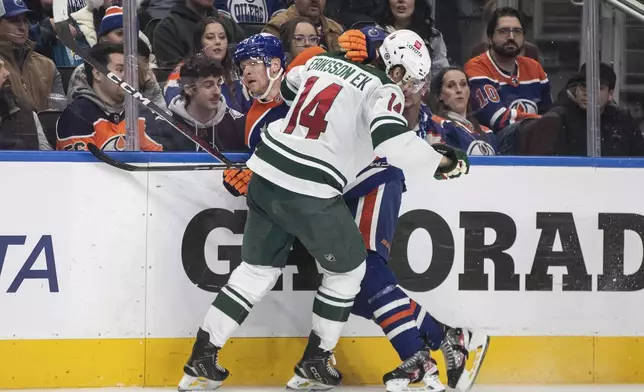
x,y
287,91
295,169
389,119
307,157
387,131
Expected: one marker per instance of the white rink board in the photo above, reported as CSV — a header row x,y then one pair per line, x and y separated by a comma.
x,y
96,218
117,240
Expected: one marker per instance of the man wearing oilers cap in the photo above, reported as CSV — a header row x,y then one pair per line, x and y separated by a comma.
x,y
33,76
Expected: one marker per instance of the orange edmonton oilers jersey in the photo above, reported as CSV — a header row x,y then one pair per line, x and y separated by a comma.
x,y
499,98
83,122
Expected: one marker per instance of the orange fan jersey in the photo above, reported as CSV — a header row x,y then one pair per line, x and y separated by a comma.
x,y
85,122
499,98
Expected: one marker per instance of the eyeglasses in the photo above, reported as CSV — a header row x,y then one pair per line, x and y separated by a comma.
x,y
300,40
505,31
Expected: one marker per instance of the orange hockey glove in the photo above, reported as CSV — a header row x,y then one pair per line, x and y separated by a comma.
x,y
236,181
354,44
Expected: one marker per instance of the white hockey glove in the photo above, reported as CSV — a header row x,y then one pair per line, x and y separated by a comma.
x,y
460,162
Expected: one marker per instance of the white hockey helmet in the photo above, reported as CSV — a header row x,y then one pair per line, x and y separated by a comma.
x,y
407,49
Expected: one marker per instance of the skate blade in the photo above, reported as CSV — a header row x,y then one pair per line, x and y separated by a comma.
x,y
477,348
297,383
190,383
419,387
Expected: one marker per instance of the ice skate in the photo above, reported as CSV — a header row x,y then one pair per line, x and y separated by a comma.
x,y
315,371
202,372
457,347
419,368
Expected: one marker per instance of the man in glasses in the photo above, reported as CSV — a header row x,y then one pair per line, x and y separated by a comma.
x,y
313,10
506,87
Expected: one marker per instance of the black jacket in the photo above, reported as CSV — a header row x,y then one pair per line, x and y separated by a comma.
x,y
18,128
173,35
620,135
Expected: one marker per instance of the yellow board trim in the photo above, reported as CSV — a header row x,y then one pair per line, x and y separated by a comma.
x,y
270,361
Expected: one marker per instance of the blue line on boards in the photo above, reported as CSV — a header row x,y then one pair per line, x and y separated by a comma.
x,y
193,157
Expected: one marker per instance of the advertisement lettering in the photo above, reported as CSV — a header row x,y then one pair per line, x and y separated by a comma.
x,y
558,230
44,246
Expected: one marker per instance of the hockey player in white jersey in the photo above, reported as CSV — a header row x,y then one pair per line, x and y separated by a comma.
x,y
343,115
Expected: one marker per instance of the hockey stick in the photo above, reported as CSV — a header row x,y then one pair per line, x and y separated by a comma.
x,y
62,26
100,155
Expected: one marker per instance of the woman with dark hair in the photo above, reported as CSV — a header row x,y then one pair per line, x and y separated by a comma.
x,y
449,98
415,15
297,35
211,39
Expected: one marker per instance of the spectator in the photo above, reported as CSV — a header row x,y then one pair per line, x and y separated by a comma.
x,y
620,135
449,100
96,113
328,30
111,30
43,34
296,35
507,88
245,12
173,36
151,13
201,108
415,15
90,18
211,38
48,45
20,128
33,76
529,49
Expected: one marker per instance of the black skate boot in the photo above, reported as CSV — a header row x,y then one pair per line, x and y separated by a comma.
x,y
457,347
315,371
202,372
420,367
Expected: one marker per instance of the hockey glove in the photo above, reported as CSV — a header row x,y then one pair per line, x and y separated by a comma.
x,y
354,44
236,181
460,162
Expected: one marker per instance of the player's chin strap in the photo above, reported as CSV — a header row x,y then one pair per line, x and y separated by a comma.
x,y
272,80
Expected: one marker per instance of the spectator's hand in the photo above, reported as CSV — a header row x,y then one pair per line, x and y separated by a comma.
x,y
236,181
208,51
5,82
354,44
72,29
459,162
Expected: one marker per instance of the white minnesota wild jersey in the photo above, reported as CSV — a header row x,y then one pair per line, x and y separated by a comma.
x,y
343,115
